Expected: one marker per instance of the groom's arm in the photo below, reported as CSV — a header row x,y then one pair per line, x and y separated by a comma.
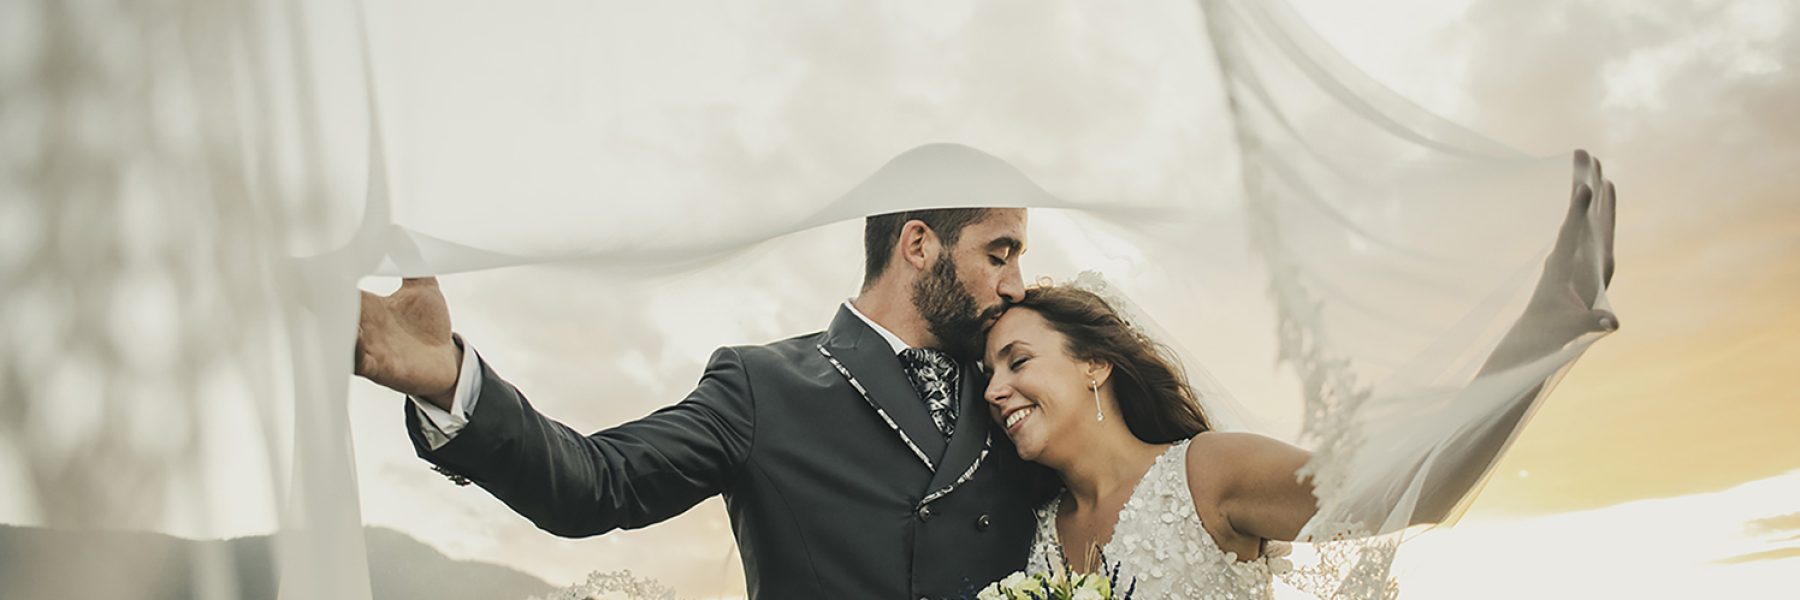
x,y
628,476
440,423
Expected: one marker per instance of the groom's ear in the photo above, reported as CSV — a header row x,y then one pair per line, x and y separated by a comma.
x,y
918,244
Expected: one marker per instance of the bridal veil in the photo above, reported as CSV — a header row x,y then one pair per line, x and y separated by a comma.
x,y
195,189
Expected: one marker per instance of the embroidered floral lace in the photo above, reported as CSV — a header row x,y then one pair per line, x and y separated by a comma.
x,y
1159,542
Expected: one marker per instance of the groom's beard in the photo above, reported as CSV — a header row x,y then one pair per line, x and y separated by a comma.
x,y
950,311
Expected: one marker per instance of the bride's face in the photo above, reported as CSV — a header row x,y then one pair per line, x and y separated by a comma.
x,y
1038,393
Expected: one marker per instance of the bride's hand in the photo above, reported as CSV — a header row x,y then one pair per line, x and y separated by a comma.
x,y
1568,302
1581,265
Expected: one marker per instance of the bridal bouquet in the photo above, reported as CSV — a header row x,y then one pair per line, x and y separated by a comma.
x,y
1062,585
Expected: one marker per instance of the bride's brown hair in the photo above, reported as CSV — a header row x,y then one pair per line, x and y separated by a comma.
x,y
1153,394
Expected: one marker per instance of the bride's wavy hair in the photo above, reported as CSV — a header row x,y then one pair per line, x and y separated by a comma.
x,y
1152,391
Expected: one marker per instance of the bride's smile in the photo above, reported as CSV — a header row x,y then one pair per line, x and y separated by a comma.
x,y
1015,417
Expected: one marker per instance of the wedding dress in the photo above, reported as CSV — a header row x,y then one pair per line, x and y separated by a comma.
x,y
1159,546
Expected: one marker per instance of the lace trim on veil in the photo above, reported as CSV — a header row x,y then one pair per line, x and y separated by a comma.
x,y
610,585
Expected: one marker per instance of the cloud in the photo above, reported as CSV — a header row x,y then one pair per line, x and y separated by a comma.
x,y
1689,103
1690,107
1787,522
1776,554
1695,544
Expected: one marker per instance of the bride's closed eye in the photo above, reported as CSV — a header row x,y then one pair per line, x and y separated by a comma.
x,y
1014,365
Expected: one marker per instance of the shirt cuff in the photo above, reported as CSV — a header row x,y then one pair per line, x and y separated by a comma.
x,y
439,425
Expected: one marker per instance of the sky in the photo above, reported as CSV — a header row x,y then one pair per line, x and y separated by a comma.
x,y
1688,100
1668,446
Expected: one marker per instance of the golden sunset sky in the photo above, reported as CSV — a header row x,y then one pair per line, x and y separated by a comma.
x,y
1689,105
1665,464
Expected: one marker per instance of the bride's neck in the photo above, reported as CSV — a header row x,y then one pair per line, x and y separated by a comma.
x,y
1108,463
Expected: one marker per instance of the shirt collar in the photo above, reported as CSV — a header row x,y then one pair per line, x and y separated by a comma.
x,y
892,340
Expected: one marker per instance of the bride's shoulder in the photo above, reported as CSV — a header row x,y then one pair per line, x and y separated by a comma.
x,y
1217,461
1212,447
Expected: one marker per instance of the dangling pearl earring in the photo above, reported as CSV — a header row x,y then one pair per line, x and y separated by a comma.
x,y
1095,385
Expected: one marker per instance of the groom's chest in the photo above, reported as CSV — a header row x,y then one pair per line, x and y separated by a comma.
x,y
832,466
828,426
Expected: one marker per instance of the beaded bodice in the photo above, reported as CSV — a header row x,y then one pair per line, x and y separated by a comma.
x,y
1160,542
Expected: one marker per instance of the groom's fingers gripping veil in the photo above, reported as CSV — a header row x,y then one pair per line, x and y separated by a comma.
x,y
403,341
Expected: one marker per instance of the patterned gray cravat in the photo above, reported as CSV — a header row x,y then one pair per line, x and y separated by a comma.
x,y
934,376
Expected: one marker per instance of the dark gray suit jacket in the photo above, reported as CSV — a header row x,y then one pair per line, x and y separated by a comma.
x,y
837,483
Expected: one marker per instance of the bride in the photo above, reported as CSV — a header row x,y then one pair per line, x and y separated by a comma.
x,y
1181,510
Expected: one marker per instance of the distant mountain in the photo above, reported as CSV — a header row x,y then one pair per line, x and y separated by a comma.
x,y
38,563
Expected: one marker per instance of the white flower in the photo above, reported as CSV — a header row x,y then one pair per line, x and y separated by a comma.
x,y
1015,582
1087,594
1092,582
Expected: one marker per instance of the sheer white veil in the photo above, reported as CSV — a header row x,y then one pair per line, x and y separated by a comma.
x,y
1224,410
194,191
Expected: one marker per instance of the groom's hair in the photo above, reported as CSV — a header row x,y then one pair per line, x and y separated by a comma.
x,y
882,232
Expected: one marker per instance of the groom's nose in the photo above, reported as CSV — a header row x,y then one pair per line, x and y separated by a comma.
x,y
1012,284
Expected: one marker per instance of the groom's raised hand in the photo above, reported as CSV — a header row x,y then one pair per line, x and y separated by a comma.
x,y
403,341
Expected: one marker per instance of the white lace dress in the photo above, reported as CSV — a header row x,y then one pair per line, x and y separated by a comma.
x,y
1160,543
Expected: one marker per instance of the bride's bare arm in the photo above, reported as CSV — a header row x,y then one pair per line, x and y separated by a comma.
x,y
1245,486
1565,306
1245,483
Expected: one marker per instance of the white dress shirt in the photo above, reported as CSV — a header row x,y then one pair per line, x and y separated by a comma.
x,y
440,425
892,340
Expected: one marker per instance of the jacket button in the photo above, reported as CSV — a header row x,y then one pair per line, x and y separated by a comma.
x,y
982,522
925,513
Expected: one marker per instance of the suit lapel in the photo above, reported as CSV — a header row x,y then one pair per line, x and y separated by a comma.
x,y
862,356
973,439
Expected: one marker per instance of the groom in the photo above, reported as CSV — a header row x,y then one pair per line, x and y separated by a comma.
x,y
857,462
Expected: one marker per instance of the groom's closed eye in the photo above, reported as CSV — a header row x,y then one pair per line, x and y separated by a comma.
x,y
1005,249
